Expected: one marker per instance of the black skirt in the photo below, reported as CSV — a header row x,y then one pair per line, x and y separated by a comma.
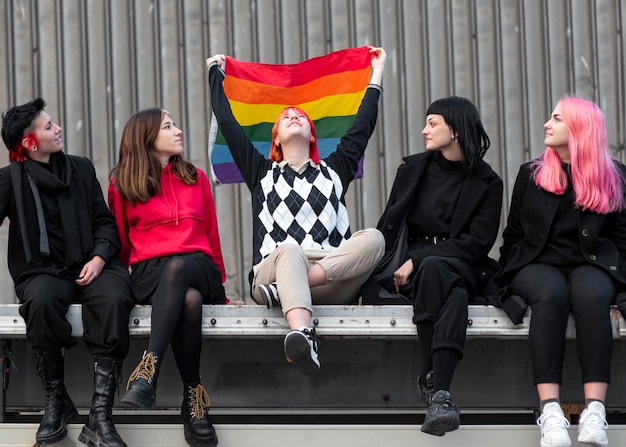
x,y
146,276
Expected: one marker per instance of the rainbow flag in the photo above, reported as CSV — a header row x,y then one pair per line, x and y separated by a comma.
x,y
329,88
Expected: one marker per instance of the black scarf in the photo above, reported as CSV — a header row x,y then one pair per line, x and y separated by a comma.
x,y
28,179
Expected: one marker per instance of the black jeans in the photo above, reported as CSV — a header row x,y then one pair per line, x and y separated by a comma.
x,y
586,292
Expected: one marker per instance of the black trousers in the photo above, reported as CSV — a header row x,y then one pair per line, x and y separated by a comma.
x,y
442,290
106,304
586,292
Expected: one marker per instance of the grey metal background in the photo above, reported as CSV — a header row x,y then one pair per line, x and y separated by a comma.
x,y
98,61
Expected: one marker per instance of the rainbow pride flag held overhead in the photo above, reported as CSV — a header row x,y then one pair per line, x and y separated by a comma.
x,y
329,88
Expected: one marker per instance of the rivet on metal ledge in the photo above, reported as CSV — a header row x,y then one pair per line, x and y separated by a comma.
x,y
136,321
393,322
316,322
264,321
340,321
470,322
213,321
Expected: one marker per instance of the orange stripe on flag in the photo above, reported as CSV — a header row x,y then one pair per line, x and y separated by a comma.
x,y
252,92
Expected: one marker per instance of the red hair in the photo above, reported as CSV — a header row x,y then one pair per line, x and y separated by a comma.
x,y
276,153
18,153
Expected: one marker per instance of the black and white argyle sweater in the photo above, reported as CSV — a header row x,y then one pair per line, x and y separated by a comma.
x,y
306,208
303,208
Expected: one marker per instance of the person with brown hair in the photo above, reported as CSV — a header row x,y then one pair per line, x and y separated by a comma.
x,y
165,216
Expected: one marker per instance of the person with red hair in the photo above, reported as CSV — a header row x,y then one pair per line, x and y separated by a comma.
x,y
303,249
564,251
62,249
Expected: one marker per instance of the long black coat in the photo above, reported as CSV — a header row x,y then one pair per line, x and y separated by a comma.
x,y
602,237
475,223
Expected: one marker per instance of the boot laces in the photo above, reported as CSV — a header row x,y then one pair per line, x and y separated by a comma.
x,y
145,370
199,400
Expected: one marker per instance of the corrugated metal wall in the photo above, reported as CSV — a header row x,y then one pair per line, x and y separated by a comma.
x,y
98,61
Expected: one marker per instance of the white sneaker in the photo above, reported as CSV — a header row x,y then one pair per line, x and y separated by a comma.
x,y
554,426
592,425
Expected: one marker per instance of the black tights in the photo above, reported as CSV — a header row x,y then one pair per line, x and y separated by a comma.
x,y
177,315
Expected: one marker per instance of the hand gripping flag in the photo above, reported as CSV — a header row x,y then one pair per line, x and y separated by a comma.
x,y
329,88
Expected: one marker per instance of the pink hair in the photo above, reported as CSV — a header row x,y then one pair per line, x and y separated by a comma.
x,y
276,153
598,184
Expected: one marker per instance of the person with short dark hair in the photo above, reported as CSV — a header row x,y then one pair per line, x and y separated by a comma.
x,y
62,249
440,222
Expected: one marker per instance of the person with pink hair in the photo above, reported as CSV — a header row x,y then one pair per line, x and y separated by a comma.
x,y
564,251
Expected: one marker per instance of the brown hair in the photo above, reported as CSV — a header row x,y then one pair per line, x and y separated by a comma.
x,y
138,171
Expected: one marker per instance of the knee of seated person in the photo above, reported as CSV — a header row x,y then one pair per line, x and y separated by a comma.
x,y
175,264
376,240
430,265
291,251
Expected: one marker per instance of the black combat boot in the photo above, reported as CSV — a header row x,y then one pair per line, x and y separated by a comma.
x,y
199,431
141,386
59,409
99,430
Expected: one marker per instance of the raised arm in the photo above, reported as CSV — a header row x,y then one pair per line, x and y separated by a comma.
x,y
250,162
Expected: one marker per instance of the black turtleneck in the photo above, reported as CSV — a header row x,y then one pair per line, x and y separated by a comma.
x,y
562,248
436,198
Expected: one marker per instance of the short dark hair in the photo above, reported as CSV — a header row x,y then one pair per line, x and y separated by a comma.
x,y
463,118
15,122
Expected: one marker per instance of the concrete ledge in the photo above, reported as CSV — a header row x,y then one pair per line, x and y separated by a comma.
x,y
240,435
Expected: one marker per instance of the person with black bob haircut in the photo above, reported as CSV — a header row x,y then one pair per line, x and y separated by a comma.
x,y
440,222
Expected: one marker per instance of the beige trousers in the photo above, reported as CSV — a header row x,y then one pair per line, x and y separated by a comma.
x,y
347,267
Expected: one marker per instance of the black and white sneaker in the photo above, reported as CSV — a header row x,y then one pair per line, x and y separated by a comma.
x,y
442,415
301,349
270,293
425,389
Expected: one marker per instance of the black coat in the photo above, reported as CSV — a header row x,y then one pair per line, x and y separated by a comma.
x,y
475,223
602,237
86,193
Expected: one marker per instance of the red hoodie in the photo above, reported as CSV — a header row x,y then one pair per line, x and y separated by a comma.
x,y
179,219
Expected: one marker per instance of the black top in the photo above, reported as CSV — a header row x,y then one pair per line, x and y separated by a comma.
x,y
436,198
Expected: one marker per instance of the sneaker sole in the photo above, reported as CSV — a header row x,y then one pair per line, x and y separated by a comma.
x,y
440,426
298,352
589,441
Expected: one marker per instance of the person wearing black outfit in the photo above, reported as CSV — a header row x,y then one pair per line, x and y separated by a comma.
x,y
564,251
440,222
62,249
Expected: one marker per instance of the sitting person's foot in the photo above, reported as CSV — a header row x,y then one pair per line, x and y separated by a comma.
x,y
270,293
442,415
554,425
425,388
592,425
301,349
